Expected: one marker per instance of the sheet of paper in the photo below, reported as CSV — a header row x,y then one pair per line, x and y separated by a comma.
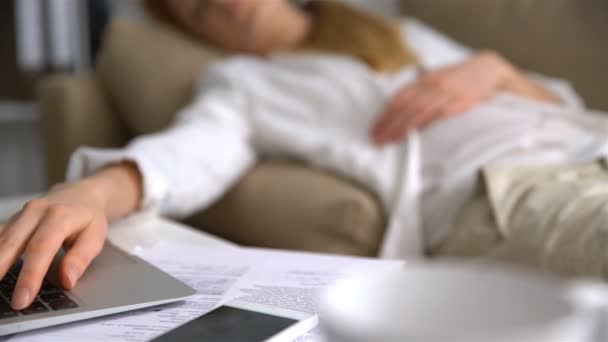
x,y
284,279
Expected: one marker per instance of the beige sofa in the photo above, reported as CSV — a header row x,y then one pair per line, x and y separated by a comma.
x,y
145,73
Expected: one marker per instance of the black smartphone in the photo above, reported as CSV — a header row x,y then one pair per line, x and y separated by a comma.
x,y
241,321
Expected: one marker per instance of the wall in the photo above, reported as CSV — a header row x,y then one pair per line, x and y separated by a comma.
x,y
387,7
21,169
12,84
21,162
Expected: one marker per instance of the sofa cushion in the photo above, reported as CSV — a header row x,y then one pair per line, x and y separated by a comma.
x,y
148,70
564,38
288,205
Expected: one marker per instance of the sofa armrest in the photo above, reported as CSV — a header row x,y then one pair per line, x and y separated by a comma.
x,y
293,206
75,112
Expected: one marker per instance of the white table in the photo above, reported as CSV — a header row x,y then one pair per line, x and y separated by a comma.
x,y
145,230
142,230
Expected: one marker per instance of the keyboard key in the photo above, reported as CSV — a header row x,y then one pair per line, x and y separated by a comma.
x,y
7,285
36,307
6,311
61,304
8,314
48,287
51,297
16,267
7,292
9,279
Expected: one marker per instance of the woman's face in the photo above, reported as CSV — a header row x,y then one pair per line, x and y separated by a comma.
x,y
255,26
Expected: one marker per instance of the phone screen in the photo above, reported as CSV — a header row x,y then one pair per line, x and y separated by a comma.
x,y
228,324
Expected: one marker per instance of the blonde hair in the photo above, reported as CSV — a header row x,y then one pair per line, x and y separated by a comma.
x,y
341,29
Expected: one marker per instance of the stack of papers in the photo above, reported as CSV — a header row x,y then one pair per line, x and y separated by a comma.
x,y
290,280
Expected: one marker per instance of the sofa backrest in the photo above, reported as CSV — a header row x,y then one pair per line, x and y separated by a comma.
x,y
148,70
564,38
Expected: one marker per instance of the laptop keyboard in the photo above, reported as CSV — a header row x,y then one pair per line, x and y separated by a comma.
x,y
50,297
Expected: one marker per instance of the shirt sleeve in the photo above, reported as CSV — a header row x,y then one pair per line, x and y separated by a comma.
x,y
189,165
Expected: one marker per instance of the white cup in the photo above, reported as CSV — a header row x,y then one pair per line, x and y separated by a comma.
x,y
466,302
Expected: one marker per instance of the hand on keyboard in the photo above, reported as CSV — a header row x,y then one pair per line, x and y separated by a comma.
x,y
71,216
50,297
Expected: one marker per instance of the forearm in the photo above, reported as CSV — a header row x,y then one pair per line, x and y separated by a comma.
x,y
513,80
118,187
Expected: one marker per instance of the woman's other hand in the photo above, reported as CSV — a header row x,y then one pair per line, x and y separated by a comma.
x,y
73,215
439,94
450,91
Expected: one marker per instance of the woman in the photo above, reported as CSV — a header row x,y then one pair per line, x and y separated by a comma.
x,y
387,104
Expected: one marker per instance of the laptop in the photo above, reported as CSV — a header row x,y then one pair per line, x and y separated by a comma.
x,y
114,282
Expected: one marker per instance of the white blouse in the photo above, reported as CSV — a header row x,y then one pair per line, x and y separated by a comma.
x,y
320,108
